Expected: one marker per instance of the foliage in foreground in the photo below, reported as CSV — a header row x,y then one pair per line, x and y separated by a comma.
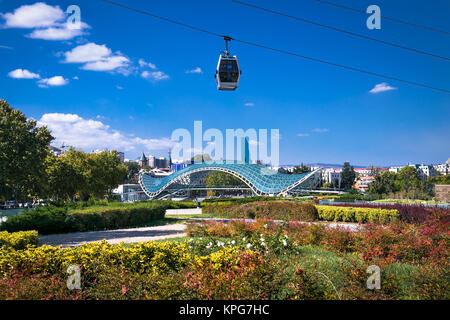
x,y
18,240
242,260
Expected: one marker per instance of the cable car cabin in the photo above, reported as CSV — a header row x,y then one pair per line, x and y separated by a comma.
x,y
227,73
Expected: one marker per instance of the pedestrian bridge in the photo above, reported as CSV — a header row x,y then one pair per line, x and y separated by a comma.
x,y
261,180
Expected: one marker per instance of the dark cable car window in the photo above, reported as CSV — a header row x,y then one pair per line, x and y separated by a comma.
x,y
228,71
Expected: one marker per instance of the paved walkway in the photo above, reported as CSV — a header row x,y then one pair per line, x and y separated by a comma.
x,y
115,236
176,212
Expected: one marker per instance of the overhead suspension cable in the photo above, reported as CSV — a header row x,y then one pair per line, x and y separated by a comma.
x,y
276,50
384,17
340,30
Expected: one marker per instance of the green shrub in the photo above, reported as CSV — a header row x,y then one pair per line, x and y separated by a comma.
x,y
51,219
349,214
113,217
18,240
278,210
45,220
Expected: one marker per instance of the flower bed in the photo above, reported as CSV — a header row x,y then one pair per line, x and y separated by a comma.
x,y
18,240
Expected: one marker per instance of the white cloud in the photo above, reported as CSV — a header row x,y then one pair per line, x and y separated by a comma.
x,y
303,135
96,58
60,32
55,81
196,70
6,47
49,22
320,130
107,64
91,134
33,16
155,75
88,52
381,87
249,104
119,87
143,63
23,74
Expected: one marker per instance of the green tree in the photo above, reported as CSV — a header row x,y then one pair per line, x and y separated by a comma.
x,y
133,170
65,179
201,158
216,179
104,173
440,179
384,184
348,176
23,149
408,179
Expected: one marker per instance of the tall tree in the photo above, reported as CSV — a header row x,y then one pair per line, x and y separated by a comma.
x,y
105,172
65,179
408,178
201,158
348,176
23,149
133,170
384,184
215,179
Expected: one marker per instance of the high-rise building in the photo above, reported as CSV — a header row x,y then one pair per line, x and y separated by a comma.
x,y
245,150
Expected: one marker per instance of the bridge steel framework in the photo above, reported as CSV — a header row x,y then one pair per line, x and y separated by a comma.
x,y
259,179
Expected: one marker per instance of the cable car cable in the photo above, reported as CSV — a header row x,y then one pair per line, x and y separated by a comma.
x,y
279,50
340,30
384,17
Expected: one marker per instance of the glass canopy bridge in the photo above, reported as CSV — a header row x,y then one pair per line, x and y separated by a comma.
x,y
260,180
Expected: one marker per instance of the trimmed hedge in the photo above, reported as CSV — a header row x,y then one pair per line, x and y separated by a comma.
x,y
355,214
114,217
278,210
49,220
18,240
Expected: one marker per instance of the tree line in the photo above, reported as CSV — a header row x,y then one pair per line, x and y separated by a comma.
x,y
28,170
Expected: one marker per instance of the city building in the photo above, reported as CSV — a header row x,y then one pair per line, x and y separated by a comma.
x,y
367,172
395,169
362,183
121,156
161,163
143,161
443,168
245,150
56,151
332,175
151,161
130,193
425,171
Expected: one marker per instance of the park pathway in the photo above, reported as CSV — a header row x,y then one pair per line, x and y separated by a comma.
x,y
131,235
115,236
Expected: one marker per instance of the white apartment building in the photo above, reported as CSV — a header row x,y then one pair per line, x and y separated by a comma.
x,y
443,168
331,175
423,170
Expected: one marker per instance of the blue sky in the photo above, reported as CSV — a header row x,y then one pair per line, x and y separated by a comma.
x,y
123,81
